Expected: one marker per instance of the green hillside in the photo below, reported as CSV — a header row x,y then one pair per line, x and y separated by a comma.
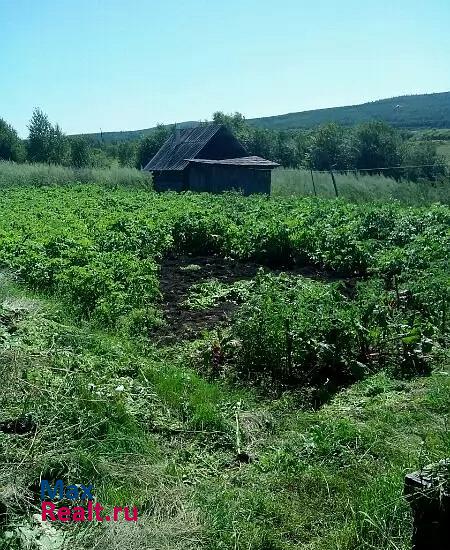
x,y
412,111
129,135
424,111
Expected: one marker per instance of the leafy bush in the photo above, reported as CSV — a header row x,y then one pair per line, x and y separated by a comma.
x,y
298,331
110,286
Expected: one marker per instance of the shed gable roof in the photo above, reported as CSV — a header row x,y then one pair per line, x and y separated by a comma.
x,y
185,144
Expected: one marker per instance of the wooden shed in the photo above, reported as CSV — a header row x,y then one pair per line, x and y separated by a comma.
x,y
208,158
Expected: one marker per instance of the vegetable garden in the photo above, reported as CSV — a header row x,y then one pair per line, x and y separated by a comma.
x,y
289,300
100,251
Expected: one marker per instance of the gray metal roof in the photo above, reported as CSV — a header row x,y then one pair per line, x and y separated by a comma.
x,y
181,145
243,161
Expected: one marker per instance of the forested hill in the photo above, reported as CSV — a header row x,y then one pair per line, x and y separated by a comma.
x,y
411,111
130,135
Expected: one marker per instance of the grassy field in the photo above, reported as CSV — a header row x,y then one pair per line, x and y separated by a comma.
x,y
38,175
320,479
251,372
440,138
358,188
285,182
443,149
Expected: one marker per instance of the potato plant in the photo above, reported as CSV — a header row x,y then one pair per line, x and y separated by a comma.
x,y
100,249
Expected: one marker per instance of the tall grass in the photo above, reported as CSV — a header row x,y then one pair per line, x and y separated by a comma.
x,y
285,182
443,148
359,188
12,174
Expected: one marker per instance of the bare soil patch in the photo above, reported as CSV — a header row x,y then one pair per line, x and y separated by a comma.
x,y
179,273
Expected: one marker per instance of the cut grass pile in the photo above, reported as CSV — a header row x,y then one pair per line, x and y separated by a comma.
x,y
102,412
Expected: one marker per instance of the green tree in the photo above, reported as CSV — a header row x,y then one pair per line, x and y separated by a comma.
x,y
301,140
261,142
39,137
59,152
100,158
289,149
422,162
331,146
234,122
46,143
378,146
80,152
126,153
11,146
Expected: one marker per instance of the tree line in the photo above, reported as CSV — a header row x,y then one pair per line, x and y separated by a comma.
x,y
47,143
370,146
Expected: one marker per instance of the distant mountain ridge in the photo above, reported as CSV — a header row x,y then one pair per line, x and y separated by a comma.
x,y
410,111
414,112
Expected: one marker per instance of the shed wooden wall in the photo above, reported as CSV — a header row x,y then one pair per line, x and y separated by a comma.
x,y
170,180
217,179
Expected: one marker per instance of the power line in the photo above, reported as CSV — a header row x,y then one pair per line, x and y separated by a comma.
x,y
378,168
396,167
332,169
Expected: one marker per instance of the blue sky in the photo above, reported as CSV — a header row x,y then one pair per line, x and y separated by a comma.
x,y
128,64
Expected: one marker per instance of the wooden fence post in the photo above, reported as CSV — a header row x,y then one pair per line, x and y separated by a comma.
x,y
313,184
430,504
334,182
